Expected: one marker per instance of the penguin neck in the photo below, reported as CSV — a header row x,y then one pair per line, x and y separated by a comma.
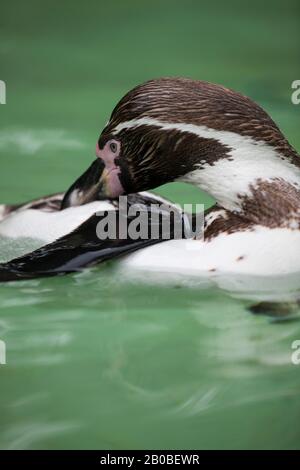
x,y
257,185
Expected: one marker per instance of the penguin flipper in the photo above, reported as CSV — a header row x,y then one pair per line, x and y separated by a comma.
x,y
74,251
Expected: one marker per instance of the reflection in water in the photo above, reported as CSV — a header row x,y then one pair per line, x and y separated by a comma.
x,y
278,289
121,365
96,357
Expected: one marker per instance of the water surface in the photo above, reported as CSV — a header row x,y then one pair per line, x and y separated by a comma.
x,y
99,360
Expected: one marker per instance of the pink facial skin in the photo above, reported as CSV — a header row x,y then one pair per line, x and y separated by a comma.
x,y
108,154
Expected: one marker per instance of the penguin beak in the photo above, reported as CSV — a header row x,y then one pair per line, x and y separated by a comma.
x,y
88,187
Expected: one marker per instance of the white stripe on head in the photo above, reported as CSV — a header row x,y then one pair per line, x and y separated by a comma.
x,y
247,161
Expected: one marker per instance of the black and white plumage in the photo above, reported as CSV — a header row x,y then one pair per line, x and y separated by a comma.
x,y
174,129
220,141
68,237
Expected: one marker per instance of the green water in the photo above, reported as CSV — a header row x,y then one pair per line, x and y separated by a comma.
x,y
95,360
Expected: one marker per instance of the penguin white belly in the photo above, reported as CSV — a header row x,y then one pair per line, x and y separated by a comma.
x,y
48,226
261,251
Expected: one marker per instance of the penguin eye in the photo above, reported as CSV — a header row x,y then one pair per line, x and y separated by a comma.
x,y
113,147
